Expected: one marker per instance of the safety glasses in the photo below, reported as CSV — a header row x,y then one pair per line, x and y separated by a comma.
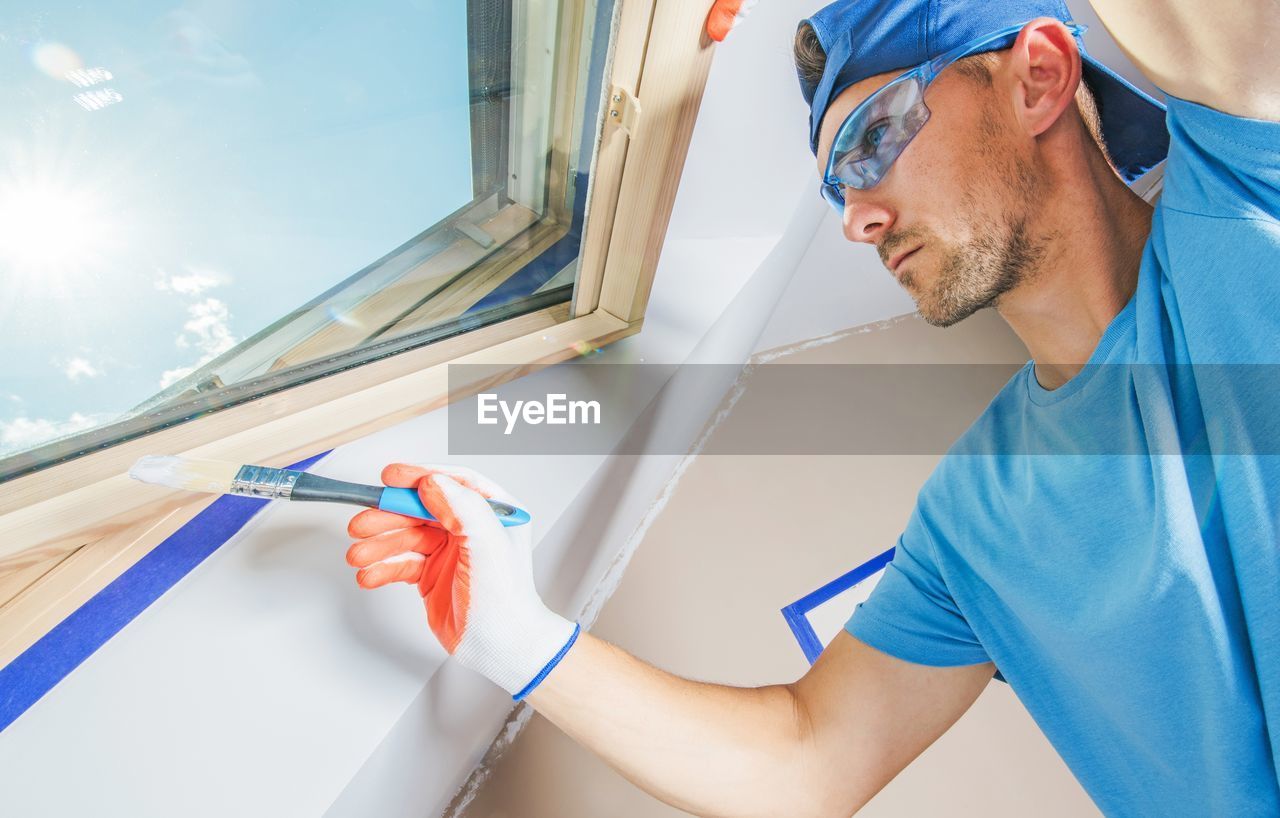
x,y
875,133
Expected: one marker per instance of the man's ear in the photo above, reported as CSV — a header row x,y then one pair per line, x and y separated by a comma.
x,y
1045,68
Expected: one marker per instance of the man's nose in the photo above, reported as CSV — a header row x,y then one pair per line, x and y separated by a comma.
x,y
864,220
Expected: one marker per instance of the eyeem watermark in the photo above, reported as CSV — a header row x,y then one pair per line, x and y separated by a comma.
x,y
556,410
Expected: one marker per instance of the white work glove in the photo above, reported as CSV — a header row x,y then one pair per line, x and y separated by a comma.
x,y
475,576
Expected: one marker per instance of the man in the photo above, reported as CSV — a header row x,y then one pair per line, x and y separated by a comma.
x,y
1127,587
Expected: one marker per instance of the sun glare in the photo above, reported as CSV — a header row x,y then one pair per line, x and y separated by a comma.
x,y
52,229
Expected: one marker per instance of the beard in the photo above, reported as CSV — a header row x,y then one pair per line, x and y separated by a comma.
x,y
975,274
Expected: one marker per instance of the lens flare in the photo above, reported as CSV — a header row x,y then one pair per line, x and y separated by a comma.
x,y
55,59
341,316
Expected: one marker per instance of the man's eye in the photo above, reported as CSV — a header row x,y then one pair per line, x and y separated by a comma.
x,y
874,135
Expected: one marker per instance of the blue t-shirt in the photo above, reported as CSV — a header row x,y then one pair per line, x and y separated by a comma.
x,y
1113,545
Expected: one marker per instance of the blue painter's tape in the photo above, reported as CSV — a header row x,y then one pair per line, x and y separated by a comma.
x,y
36,670
796,614
550,666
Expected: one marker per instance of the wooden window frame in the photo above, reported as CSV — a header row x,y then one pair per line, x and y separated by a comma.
x,y
68,530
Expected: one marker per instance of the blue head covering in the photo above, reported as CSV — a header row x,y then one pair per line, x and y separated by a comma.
x,y
862,38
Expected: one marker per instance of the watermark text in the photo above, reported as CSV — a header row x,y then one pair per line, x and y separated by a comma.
x,y
556,410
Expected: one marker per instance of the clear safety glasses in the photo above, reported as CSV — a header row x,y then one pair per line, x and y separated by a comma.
x,y
875,133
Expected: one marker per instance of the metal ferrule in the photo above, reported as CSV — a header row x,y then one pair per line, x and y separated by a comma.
x,y
260,481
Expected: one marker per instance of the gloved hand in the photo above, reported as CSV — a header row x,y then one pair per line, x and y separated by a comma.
x,y
724,15
474,575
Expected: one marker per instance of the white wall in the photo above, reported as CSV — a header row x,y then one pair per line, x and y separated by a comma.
x,y
749,161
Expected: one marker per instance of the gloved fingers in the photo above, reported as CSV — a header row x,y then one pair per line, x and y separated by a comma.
x,y
476,481
435,566
466,476
404,567
725,14
459,509
403,475
447,606
374,521
420,539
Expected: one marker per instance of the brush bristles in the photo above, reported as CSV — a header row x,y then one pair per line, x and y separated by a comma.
x,y
190,474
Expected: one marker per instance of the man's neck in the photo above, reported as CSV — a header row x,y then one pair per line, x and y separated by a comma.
x,y
1088,274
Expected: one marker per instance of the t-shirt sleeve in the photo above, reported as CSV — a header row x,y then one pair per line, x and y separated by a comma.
x,y
1221,165
911,614
1215,238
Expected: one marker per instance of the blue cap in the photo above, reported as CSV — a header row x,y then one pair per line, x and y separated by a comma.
x,y
862,38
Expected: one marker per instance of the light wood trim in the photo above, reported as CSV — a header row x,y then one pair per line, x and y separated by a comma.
x,y
86,471
676,65
44,518
628,56
14,582
76,578
569,45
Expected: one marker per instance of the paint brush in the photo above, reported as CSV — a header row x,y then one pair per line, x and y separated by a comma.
x,y
218,477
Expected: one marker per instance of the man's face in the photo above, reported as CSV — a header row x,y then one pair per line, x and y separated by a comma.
x,y
954,218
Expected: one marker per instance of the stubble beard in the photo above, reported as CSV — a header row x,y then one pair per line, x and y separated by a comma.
x,y
976,274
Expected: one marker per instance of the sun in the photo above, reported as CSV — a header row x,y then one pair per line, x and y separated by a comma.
x,y
52,229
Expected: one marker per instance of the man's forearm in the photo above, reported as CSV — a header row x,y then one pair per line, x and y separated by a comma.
x,y
1227,60
708,749
822,746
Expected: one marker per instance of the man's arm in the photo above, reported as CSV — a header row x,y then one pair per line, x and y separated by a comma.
x,y
821,747
1225,54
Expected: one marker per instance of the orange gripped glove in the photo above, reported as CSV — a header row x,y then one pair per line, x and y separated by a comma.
x,y
475,576
725,14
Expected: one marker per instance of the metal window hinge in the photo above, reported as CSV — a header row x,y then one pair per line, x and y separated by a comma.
x,y
624,110
475,233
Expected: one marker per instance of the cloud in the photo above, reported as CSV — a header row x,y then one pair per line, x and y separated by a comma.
x,y
207,330
77,368
194,282
204,56
171,376
24,433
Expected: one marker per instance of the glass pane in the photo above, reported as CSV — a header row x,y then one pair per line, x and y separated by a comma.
x,y
203,204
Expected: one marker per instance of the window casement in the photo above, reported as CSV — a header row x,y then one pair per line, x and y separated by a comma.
x,y
542,262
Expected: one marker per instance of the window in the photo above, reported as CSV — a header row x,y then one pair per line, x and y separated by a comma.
x,y
268,231
201,208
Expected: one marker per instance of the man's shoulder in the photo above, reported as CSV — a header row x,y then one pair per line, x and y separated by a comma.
x,y
1004,415
1221,165
967,464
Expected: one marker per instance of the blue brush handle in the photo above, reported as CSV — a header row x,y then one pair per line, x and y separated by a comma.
x,y
407,502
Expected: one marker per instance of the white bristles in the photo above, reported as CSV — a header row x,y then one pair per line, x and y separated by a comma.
x,y
212,476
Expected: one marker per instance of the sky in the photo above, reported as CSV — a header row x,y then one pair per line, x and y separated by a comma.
x,y
175,177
